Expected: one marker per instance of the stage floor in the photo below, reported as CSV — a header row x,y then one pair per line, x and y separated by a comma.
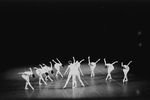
x,y
12,87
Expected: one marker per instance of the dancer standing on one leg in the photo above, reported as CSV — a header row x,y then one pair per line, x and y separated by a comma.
x,y
126,69
92,66
110,68
25,75
57,67
74,72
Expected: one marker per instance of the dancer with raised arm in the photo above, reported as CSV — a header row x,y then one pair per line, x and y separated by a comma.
x,y
110,68
126,69
47,70
40,72
92,66
74,71
57,67
78,64
25,75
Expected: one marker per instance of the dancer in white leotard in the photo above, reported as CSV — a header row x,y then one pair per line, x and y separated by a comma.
x,y
126,69
26,76
92,66
57,67
110,68
74,71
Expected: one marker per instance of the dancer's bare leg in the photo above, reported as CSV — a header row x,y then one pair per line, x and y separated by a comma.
x,y
69,76
108,76
80,79
40,81
26,85
46,78
92,73
125,77
57,73
43,80
73,81
60,73
30,85
50,78
26,78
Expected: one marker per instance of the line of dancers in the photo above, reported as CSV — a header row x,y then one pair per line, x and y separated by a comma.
x,y
73,70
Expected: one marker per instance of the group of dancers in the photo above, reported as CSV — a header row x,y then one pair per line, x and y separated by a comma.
x,y
73,70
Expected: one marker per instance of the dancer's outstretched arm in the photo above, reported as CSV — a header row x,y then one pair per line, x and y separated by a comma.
x,y
122,64
54,61
105,61
129,63
114,62
89,60
40,65
81,60
66,70
58,60
50,64
97,60
73,59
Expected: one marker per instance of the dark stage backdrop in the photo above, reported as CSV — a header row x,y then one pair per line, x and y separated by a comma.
x,y
36,31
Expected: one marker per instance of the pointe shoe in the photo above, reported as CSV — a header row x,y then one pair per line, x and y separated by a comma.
x,y
83,85
26,88
32,88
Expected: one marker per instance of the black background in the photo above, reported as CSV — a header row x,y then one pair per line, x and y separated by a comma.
x,y
36,31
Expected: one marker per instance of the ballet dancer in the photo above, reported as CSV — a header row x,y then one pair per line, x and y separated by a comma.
x,y
110,68
40,72
126,69
25,75
57,67
74,71
79,66
92,66
47,70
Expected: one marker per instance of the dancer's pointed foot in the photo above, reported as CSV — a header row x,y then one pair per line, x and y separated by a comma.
x,y
26,88
64,87
40,83
45,83
83,85
32,88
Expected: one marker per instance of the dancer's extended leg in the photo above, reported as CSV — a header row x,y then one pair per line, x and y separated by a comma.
x,y
80,79
30,85
69,76
60,73
73,81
